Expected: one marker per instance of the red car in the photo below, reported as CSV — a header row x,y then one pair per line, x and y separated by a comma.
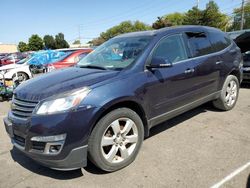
x,y
10,59
68,60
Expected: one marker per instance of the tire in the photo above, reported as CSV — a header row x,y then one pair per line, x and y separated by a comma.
x,y
22,76
112,145
229,92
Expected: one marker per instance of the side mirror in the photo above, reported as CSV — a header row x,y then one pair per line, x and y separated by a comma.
x,y
159,62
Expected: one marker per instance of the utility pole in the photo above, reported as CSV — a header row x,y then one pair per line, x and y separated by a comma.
x,y
79,34
198,2
242,15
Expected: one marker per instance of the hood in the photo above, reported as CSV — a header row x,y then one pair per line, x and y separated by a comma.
x,y
60,81
10,66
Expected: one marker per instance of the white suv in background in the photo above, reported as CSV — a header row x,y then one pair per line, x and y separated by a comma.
x,y
21,68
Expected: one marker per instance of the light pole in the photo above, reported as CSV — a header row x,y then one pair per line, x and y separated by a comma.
x,y
198,2
242,15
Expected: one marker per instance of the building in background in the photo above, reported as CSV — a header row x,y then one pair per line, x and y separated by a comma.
x,y
79,45
8,48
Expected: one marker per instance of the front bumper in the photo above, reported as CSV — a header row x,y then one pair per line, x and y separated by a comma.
x,y
76,125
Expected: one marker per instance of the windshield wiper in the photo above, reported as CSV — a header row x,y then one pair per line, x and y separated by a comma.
x,y
92,67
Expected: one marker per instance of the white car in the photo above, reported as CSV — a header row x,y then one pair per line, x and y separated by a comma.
x,y
21,68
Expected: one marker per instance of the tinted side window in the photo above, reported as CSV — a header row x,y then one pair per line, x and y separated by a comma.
x,y
219,40
199,43
172,49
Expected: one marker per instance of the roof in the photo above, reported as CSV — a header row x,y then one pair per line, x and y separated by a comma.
x,y
163,30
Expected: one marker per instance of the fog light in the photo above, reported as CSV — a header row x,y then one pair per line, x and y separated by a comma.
x,y
54,138
54,149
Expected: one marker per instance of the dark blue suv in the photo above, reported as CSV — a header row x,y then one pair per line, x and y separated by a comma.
x,y
104,107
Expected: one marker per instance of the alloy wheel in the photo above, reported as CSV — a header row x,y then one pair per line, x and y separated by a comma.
x,y
119,140
231,93
21,77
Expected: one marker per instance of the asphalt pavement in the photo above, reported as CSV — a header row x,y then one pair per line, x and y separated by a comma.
x,y
201,148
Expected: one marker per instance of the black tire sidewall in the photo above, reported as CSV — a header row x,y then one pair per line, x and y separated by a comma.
x,y
95,153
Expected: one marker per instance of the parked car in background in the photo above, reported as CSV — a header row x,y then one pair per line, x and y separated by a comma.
x,y
68,60
41,59
3,55
104,107
246,66
11,58
20,70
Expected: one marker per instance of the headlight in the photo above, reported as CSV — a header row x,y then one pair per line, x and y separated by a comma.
x,y
64,103
4,71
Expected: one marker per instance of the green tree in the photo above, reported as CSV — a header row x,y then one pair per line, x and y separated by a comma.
x,y
77,42
175,18
123,27
49,42
23,47
237,17
210,16
35,43
193,17
97,41
60,41
160,23
213,17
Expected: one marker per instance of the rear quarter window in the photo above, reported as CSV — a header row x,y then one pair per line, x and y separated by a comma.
x,y
219,40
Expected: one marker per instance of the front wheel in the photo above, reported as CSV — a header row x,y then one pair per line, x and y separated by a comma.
x,y
116,140
21,77
229,94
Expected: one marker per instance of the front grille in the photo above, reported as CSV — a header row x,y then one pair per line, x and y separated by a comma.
x,y
19,140
22,108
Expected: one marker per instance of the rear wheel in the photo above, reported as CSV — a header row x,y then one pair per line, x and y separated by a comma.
x,y
229,94
116,140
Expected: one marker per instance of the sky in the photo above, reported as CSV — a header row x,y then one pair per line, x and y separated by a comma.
x,y
19,19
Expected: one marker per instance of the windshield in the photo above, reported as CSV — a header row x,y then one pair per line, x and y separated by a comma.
x,y
23,60
116,53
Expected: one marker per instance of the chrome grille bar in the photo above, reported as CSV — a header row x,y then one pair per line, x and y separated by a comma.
x,y
22,108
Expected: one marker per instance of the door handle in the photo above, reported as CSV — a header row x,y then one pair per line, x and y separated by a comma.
x,y
218,62
189,71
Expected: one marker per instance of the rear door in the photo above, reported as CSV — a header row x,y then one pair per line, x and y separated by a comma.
x,y
206,63
220,41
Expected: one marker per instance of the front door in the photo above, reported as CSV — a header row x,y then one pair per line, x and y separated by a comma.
x,y
172,87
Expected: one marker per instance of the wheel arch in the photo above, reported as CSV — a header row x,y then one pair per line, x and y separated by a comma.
x,y
236,73
131,104
28,76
